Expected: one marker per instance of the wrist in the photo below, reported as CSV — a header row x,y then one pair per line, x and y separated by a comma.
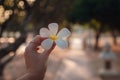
x,y
35,76
32,76
40,71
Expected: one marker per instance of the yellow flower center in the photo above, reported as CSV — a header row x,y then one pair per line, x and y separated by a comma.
x,y
53,37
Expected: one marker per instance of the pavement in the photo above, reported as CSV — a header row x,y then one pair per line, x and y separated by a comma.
x,y
70,64
75,66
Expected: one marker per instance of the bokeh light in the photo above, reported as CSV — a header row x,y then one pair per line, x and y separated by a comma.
x,y
11,40
30,2
21,4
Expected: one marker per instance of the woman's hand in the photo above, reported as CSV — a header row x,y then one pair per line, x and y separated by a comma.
x,y
35,62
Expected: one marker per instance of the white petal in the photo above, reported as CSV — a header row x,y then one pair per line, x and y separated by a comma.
x,y
61,43
53,28
64,33
47,44
44,32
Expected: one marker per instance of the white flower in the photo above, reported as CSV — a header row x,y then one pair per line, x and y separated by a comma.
x,y
53,35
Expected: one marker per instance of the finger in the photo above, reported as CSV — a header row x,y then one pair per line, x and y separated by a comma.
x,y
47,52
35,43
31,49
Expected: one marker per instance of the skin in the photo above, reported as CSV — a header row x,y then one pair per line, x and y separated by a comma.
x,y
35,62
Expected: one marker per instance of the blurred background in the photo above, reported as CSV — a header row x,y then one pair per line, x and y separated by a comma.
x,y
93,23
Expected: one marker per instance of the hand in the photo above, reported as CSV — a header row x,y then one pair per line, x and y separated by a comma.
x,y
35,62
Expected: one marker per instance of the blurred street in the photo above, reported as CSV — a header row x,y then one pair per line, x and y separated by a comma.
x,y
75,67
74,63
92,23
70,64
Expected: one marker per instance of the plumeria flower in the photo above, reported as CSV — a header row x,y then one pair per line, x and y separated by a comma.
x,y
52,35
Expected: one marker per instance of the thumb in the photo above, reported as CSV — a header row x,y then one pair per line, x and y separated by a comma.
x,y
47,52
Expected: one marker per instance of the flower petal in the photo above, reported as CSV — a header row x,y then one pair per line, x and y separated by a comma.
x,y
61,43
44,32
53,28
47,44
64,33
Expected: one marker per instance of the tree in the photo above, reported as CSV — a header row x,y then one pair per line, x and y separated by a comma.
x,y
24,12
105,12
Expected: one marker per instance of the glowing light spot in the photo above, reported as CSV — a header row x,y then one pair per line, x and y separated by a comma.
x,y
9,3
21,4
10,12
30,2
1,9
6,14
17,34
2,40
11,40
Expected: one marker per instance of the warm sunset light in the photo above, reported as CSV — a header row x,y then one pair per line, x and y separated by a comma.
x,y
60,39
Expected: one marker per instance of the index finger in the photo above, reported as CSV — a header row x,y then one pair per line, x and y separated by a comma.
x,y
35,42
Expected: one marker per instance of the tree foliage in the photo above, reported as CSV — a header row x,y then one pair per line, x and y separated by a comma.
x,y
106,12
101,15
25,16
